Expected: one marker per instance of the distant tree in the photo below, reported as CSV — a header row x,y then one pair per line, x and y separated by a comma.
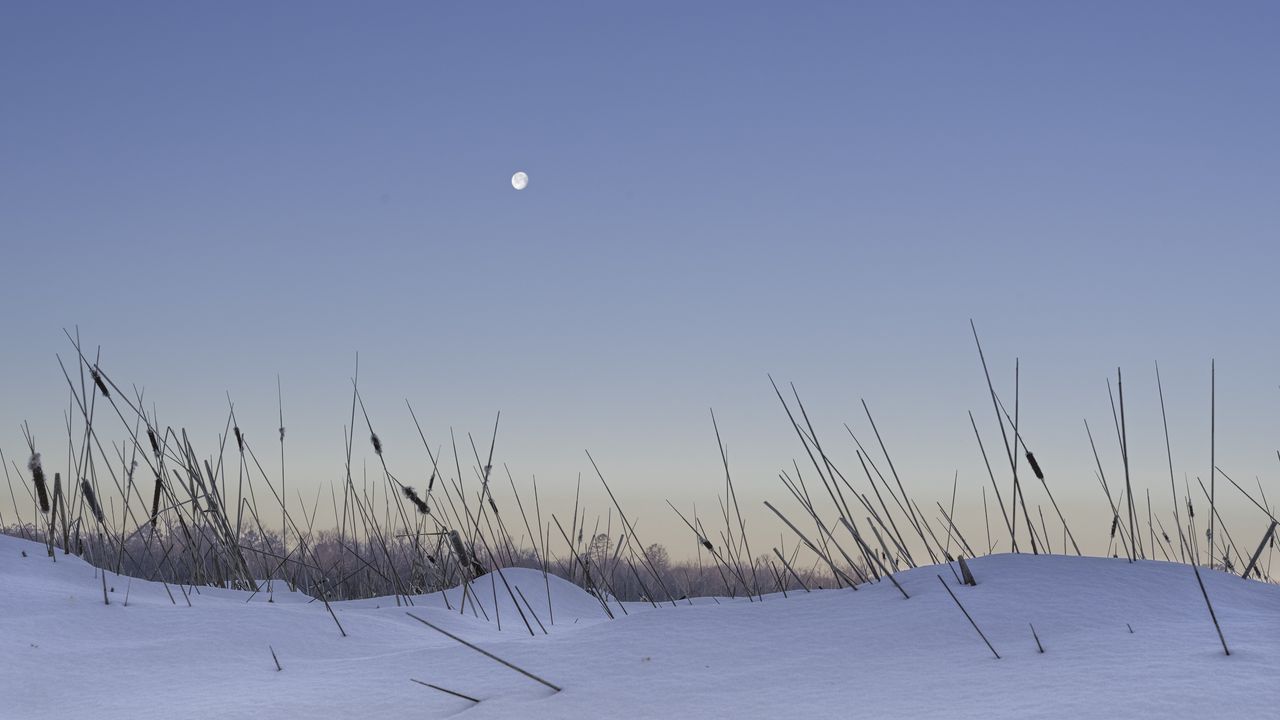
x,y
598,550
659,557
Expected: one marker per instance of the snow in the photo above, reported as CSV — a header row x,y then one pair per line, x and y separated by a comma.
x,y
869,653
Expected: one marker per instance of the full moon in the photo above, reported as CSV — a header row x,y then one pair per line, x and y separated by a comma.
x,y
520,180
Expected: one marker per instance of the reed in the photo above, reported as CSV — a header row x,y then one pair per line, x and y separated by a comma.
x,y
486,653
38,481
446,690
969,617
202,523
91,498
417,501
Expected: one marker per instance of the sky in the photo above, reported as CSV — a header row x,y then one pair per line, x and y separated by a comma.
x,y
220,195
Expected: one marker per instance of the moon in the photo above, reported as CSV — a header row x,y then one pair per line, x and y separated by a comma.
x,y
520,180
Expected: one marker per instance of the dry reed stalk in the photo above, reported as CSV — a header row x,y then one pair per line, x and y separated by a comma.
x,y
530,608
794,574
1013,536
631,533
1008,450
1213,466
969,617
445,690
835,570
869,553
1212,615
1266,540
484,652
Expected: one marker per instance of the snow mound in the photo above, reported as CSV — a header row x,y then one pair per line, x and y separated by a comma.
x,y
1121,639
543,601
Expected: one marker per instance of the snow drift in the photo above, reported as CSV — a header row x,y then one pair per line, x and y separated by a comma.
x,y
864,653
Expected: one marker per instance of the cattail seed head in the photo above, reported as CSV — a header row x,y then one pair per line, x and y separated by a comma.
x,y
155,444
92,499
464,558
239,438
97,380
377,443
37,479
1035,466
1115,523
155,500
417,501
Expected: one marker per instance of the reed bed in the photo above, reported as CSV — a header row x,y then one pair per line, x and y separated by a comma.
x,y
142,500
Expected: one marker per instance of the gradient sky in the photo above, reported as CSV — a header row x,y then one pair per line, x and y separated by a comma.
x,y
216,194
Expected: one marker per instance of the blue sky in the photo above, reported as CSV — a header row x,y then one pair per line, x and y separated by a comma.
x,y
219,194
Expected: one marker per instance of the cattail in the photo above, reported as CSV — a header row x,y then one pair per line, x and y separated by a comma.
x,y
1191,509
155,501
377,444
432,482
706,544
281,433
57,494
37,478
91,498
458,549
417,501
239,439
1115,523
155,444
97,380
1035,466
493,505
465,559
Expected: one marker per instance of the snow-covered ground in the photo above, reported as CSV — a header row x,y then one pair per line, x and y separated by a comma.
x,y
869,653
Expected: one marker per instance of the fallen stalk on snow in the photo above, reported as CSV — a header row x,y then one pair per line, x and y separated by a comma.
x,y
484,652
970,617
